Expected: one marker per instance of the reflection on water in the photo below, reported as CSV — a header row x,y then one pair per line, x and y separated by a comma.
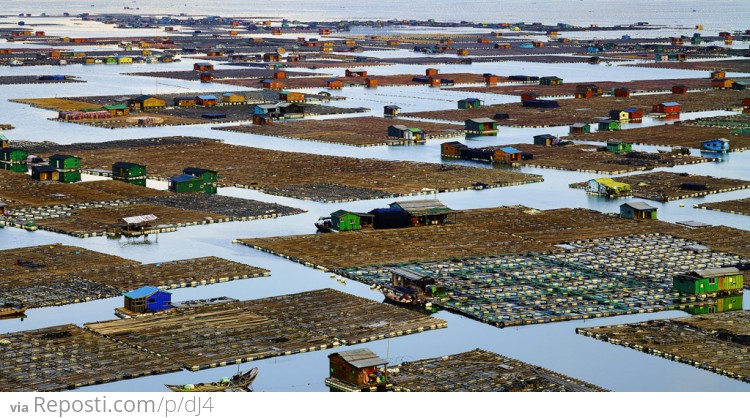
x,y
554,346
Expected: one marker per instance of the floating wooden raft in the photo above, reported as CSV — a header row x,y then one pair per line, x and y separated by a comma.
x,y
235,332
66,357
482,371
715,342
88,275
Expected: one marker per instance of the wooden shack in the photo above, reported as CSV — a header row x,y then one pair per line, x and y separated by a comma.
x,y
203,66
147,299
343,220
44,173
667,108
129,172
634,114
679,89
67,166
355,73
550,80
120,109
637,210
424,212
272,84
391,111
334,84
292,97
262,119
469,103
206,100
618,147
371,83
185,183
184,101
621,92
232,99
452,149
431,72
719,145
619,115
546,140
580,128
609,125
357,370
725,280
722,83
145,102
484,126
607,187
507,155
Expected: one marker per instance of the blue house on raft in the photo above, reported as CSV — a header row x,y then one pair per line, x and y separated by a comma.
x,y
148,299
719,145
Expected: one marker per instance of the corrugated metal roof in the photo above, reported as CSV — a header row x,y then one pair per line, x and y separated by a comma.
x,y
361,357
482,120
670,104
409,274
510,150
139,219
142,292
423,207
207,97
183,177
639,205
717,271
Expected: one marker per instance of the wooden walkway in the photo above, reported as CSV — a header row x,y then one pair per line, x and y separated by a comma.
x,y
236,332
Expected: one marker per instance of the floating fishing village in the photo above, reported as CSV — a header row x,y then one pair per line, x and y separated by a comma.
x,y
245,203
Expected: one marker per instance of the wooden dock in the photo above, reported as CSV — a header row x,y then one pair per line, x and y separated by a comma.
x,y
714,342
66,357
236,332
482,371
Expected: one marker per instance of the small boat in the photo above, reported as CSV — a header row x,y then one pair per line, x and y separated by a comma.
x,y
409,287
11,309
240,382
324,224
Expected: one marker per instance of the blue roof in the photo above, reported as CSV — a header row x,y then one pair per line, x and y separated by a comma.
x,y
631,109
207,97
143,292
671,104
182,177
510,150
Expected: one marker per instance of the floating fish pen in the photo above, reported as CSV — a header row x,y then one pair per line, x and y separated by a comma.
x,y
665,186
236,332
738,207
66,357
360,131
656,258
513,290
716,342
481,371
60,274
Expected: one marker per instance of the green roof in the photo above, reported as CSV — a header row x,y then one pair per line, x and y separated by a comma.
x,y
120,106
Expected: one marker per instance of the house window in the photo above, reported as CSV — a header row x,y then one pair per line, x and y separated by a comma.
x,y
152,300
712,280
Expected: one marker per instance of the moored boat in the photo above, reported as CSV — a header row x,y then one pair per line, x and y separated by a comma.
x,y
324,224
240,382
412,288
11,309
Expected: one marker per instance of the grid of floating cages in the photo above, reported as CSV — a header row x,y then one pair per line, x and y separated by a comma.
x,y
529,289
649,257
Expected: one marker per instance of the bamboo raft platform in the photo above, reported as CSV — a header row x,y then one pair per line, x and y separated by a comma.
x,y
663,186
362,131
60,274
738,207
714,342
482,371
501,230
299,175
67,357
587,110
568,90
586,158
739,65
236,332
674,135
526,289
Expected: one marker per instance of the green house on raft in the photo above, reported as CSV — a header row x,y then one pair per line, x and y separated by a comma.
x,y
725,280
69,167
618,147
342,220
129,173
14,159
194,179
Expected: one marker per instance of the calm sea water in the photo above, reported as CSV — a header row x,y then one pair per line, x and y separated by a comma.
x,y
603,364
715,14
